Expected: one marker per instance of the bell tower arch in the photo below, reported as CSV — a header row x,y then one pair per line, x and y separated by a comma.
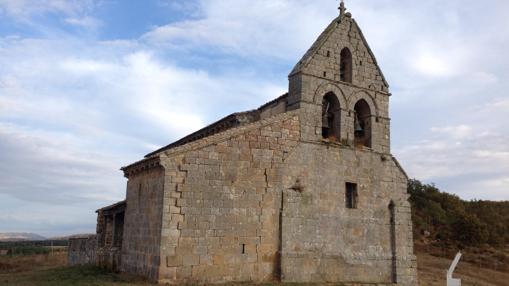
x,y
342,58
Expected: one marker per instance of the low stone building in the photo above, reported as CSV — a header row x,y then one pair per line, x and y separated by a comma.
x,y
82,250
302,189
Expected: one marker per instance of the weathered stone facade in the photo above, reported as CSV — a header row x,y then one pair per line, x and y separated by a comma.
x,y
302,189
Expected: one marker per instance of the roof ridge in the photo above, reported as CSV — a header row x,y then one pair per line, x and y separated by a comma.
x,y
228,122
225,135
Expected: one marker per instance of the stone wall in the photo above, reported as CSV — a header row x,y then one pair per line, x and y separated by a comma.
x,y
142,226
82,251
222,202
323,240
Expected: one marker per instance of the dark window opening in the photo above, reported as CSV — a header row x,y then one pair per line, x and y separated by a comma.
x,y
108,230
119,229
139,195
331,117
351,196
243,248
392,213
362,124
324,74
345,66
101,230
328,54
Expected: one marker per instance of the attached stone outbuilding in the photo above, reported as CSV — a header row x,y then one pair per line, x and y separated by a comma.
x,y
104,248
110,233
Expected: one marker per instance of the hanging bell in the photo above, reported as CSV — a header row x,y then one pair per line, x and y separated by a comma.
x,y
358,127
325,113
325,121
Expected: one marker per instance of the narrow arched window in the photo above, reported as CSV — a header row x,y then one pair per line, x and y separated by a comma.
x,y
362,124
392,230
345,66
331,117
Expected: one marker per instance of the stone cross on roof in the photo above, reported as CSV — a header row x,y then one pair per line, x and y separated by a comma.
x,y
342,8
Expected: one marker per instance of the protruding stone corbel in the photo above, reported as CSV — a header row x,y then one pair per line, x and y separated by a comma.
x,y
298,187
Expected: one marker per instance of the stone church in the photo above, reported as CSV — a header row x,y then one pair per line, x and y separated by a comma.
x,y
302,189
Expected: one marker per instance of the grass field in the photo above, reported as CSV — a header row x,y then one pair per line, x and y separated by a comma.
x,y
51,270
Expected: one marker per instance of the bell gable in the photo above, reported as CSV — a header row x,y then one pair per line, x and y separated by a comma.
x,y
342,54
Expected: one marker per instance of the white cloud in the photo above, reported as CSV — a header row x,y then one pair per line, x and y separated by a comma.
x,y
463,158
24,9
500,104
274,28
432,64
495,188
84,22
73,112
54,167
456,132
47,219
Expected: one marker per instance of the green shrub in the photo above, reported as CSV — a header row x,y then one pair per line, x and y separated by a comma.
x,y
452,221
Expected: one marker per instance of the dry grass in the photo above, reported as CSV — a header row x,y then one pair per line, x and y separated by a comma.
x,y
51,270
32,262
432,271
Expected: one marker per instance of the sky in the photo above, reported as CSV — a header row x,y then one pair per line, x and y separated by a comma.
x,y
89,86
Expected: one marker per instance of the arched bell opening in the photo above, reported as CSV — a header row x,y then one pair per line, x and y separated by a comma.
x,y
345,66
362,124
331,117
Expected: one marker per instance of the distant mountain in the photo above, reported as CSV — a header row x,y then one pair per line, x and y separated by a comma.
x,y
20,236
70,236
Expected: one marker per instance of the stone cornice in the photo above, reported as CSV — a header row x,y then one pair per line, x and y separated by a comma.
x,y
141,166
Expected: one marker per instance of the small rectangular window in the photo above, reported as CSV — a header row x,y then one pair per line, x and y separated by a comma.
x,y
351,196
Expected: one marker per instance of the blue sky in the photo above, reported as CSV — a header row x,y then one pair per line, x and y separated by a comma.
x,y
89,86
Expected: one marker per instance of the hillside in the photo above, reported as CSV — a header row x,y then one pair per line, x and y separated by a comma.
x,y
444,224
